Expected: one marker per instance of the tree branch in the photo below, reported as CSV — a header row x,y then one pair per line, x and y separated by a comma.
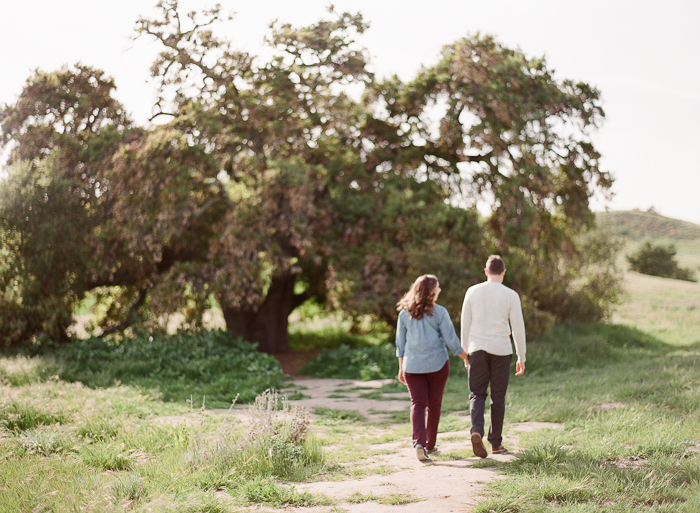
x,y
129,318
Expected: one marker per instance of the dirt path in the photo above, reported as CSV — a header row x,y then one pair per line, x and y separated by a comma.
x,y
447,485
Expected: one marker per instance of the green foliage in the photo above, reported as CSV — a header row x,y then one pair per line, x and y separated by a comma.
x,y
42,254
339,415
658,260
319,329
537,322
107,456
266,491
364,363
200,363
577,345
40,441
128,487
23,416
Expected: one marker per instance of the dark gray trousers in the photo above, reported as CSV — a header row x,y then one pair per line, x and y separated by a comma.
x,y
484,369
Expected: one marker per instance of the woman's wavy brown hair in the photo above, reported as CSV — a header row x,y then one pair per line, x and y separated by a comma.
x,y
420,300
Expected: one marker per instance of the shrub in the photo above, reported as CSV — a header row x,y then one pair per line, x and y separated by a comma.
x,y
537,322
206,362
266,491
107,457
129,487
273,445
658,260
37,441
15,416
98,429
363,363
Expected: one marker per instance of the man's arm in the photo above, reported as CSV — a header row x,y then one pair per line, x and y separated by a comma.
x,y
517,325
450,336
465,322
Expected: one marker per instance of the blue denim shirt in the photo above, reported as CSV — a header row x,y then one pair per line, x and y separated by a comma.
x,y
423,343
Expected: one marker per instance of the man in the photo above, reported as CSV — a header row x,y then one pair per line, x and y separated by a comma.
x,y
490,313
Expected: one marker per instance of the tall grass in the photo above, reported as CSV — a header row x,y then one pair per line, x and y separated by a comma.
x,y
153,465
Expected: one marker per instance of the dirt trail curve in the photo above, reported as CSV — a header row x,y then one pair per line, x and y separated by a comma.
x,y
452,485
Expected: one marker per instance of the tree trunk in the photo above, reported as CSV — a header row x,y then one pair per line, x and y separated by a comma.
x,y
268,324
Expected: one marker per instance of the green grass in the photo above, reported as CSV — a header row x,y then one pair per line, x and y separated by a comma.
x,y
270,493
330,414
394,499
116,449
311,326
667,309
635,225
642,456
346,362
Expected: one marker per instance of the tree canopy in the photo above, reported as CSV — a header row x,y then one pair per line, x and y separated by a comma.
x,y
270,182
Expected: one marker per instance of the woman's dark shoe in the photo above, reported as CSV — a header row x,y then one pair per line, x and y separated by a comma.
x,y
478,446
434,451
422,454
499,450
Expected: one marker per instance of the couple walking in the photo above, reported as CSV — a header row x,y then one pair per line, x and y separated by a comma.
x,y
490,313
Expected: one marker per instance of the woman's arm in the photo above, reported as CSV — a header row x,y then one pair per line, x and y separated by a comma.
x,y
402,375
400,345
451,339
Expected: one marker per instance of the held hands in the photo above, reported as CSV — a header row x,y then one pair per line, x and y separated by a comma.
x,y
464,356
519,368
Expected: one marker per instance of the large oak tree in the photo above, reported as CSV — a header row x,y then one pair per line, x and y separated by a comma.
x,y
270,182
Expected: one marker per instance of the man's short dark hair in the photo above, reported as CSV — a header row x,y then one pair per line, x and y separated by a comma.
x,y
495,265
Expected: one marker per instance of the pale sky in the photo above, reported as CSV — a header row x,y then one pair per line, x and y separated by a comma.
x,y
643,55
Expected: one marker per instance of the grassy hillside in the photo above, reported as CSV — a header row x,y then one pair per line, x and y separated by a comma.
x,y
668,309
636,227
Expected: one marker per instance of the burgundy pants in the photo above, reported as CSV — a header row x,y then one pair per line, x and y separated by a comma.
x,y
426,392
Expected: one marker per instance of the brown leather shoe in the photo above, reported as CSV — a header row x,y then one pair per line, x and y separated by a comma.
x,y
478,446
499,450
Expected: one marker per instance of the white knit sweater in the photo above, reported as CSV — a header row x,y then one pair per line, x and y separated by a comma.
x,y
491,311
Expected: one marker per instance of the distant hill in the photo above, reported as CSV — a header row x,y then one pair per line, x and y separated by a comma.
x,y
635,225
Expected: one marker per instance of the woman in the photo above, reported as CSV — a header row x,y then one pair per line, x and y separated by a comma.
x,y
423,334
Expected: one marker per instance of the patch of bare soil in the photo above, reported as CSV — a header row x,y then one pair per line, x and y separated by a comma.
x,y
345,394
294,360
442,486
607,406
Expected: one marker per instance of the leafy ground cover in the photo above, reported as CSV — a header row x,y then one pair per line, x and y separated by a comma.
x,y
173,367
